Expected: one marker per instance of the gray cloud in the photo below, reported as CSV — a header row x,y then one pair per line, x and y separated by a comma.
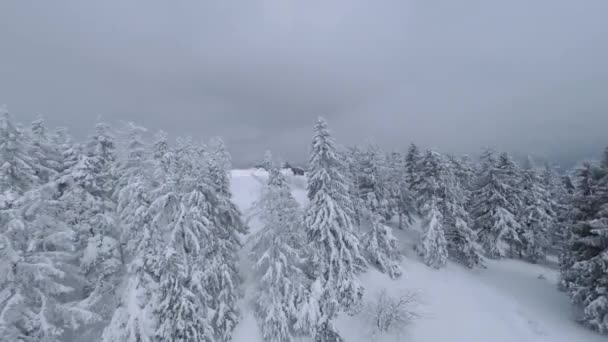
x,y
519,75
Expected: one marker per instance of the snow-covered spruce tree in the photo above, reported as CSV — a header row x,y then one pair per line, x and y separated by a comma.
x,y
146,206
344,159
41,285
47,154
511,174
133,154
537,216
401,198
584,207
132,196
560,190
197,182
219,166
371,182
83,214
368,177
68,150
381,246
585,265
493,214
18,169
430,175
266,163
134,185
432,246
439,188
464,171
179,213
351,158
461,239
278,256
180,308
223,278
131,320
162,158
184,294
88,205
375,210
412,160
337,257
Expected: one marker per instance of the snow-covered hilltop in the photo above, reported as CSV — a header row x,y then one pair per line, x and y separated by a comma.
x,y
509,300
127,238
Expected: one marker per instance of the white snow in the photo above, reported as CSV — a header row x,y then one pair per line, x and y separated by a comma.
x,y
509,301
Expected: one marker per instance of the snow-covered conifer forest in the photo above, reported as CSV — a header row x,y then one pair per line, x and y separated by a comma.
x,y
135,236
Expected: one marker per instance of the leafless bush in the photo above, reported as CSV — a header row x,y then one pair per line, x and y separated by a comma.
x,y
392,314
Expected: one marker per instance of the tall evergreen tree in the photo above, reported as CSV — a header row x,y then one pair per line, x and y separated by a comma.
x,y
87,203
430,188
329,227
401,197
47,154
381,246
131,320
374,207
352,159
18,169
492,211
219,166
266,162
412,160
537,215
68,150
585,265
510,174
433,245
560,190
43,293
223,278
180,212
278,255
461,239
371,183
463,170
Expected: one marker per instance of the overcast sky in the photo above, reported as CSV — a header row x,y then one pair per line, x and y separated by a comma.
x,y
519,75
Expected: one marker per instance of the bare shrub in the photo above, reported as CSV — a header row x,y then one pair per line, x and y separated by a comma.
x,y
391,315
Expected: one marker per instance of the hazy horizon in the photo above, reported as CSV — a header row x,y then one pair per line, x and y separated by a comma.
x,y
522,77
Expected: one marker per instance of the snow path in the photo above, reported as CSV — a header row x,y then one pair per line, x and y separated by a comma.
x,y
507,302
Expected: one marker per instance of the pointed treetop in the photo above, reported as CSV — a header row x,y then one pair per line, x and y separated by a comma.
x,y
322,129
604,162
101,128
5,119
321,122
267,163
488,155
413,151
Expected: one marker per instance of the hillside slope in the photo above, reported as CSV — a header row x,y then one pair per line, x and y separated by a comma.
x,y
509,301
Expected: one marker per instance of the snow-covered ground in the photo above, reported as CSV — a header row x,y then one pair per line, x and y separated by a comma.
x,y
509,301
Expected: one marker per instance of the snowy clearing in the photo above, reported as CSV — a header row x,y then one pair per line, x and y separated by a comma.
x,y
508,301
